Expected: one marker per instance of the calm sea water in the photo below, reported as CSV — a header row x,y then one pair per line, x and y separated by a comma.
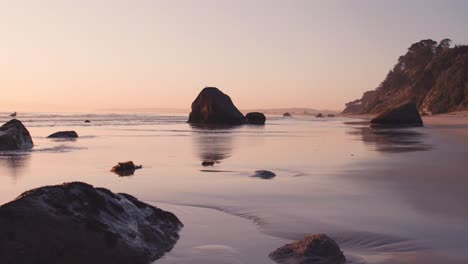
x,y
387,196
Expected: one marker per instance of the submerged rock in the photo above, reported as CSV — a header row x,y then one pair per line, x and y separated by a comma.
x,y
125,168
405,115
14,136
214,107
286,114
75,223
315,249
255,118
264,174
64,134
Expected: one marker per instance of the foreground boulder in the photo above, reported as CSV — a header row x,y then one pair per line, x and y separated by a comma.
x,y
125,168
14,136
405,115
64,134
315,249
214,107
255,118
77,223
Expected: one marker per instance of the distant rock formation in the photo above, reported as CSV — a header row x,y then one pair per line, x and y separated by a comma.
x,y
87,121
286,114
330,115
207,163
13,114
125,168
315,249
431,74
255,118
64,134
319,115
214,107
405,115
75,223
14,136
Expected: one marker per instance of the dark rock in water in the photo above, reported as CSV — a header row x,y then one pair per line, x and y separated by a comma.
x,y
330,115
75,223
405,115
264,174
13,114
64,134
87,121
214,107
255,118
14,136
315,249
125,168
319,115
207,163
286,114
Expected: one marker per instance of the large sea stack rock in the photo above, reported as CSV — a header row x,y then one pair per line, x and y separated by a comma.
x,y
405,115
315,249
214,107
14,136
64,134
255,118
77,223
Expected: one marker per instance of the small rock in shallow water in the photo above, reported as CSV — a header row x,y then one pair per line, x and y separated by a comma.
x,y
286,114
64,134
264,174
255,118
315,249
14,136
207,163
75,223
87,121
126,168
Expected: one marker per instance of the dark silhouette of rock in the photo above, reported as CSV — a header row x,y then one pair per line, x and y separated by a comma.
x,y
75,223
264,174
13,114
286,114
330,115
125,168
405,115
255,118
87,121
14,136
64,134
431,75
207,163
319,115
315,249
214,107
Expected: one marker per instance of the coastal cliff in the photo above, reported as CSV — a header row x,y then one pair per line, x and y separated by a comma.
x,y
432,75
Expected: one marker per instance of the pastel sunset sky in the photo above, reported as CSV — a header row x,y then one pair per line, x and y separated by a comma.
x,y
59,55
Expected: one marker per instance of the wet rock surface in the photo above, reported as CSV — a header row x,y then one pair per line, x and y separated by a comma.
x,y
216,108
314,249
64,134
15,136
77,223
405,115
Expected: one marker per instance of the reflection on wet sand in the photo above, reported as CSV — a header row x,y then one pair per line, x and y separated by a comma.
x,y
14,164
391,140
213,145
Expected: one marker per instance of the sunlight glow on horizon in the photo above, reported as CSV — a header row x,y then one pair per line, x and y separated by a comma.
x,y
91,55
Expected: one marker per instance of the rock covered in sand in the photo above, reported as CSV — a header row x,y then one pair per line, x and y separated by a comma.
x,y
64,134
214,107
405,115
77,223
315,249
255,118
14,136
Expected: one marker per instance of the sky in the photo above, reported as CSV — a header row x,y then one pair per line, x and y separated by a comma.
x,y
88,55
